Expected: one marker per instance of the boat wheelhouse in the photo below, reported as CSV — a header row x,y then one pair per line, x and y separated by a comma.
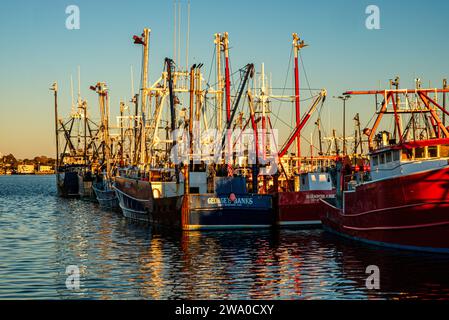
x,y
408,158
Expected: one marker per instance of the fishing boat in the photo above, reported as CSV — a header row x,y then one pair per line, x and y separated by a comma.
x,y
76,152
190,195
404,202
103,187
165,203
302,208
135,198
231,206
297,204
297,188
67,182
105,194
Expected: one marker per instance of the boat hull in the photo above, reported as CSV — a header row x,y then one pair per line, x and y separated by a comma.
x,y
194,211
68,184
211,212
106,198
408,212
135,198
300,209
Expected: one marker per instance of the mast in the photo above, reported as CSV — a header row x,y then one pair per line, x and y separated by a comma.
x,y
227,76
146,46
108,142
318,124
169,65
84,104
334,137
264,124
136,124
191,104
54,88
255,166
298,44
219,96
444,101
228,99
135,101
103,99
199,92
358,134
122,137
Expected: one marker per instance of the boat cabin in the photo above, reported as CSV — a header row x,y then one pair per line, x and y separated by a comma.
x,y
315,181
408,158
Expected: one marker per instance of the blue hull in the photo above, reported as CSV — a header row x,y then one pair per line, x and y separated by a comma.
x,y
209,212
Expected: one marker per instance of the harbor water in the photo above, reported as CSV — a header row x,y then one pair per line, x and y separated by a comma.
x,y
41,235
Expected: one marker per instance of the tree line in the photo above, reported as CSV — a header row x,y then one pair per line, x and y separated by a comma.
x,y
12,162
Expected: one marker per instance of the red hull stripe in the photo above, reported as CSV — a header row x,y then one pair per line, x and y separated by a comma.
x,y
392,208
437,224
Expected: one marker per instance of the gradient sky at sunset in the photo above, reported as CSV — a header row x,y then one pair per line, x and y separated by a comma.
x,y
36,49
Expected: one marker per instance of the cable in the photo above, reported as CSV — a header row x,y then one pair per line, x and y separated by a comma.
x,y
285,83
305,73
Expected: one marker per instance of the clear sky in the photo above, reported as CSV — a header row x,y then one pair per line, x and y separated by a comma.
x,y
36,49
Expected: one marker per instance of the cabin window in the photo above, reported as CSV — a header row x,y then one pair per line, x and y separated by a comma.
x,y
444,151
388,157
406,155
432,151
420,153
396,156
375,161
382,158
323,178
195,190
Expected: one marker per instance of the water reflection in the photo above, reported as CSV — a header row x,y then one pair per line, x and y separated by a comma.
x,y
41,235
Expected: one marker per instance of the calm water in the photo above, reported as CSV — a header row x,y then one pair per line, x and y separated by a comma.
x,y
40,235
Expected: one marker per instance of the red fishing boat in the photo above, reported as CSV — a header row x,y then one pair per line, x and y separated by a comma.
x,y
297,201
405,202
302,208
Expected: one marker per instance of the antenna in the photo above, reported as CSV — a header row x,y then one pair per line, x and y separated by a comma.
x,y
174,32
79,85
179,32
71,91
132,82
188,35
